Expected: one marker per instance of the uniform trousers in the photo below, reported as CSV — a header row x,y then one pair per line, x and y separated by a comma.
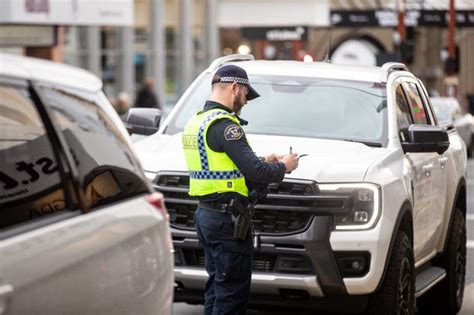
x,y
228,262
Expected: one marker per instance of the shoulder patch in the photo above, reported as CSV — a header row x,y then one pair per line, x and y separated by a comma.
x,y
233,132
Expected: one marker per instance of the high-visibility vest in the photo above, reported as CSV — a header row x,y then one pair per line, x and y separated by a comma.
x,y
210,171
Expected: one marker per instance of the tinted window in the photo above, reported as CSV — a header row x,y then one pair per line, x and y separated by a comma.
x,y
304,107
403,113
416,104
30,183
107,168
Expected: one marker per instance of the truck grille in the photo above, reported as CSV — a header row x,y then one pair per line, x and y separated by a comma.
x,y
288,208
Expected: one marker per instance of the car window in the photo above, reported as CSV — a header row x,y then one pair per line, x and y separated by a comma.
x,y
30,182
323,108
416,104
403,113
108,169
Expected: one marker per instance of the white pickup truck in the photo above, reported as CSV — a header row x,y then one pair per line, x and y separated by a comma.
x,y
373,219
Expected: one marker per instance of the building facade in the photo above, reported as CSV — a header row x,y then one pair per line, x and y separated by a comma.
x,y
174,40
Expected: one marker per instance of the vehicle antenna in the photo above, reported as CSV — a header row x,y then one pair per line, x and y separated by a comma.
x,y
326,59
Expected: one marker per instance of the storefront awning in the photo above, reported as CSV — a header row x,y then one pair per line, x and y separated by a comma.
x,y
262,13
67,12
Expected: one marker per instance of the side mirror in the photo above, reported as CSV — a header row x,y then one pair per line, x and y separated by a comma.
x,y
426,138
143,121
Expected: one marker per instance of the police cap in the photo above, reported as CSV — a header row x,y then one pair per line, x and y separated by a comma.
x,y
232,73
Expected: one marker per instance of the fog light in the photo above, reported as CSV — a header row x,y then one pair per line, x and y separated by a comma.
x,y
361,216
353,264
356,265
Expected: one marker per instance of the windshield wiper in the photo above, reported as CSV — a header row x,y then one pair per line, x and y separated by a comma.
x,y
367,143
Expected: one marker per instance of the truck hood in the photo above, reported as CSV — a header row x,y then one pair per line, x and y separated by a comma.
x,y
327,160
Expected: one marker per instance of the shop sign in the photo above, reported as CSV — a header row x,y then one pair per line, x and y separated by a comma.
x,y
31,36
299,33
388,18
441,18
67,12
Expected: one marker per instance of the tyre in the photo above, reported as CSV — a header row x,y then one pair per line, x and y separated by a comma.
x,y
447,296
396,296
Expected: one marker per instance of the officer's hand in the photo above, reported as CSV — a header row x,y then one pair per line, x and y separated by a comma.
x,y
272,158
290,161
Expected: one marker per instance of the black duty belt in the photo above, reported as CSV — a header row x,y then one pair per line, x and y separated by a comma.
x,y
218,207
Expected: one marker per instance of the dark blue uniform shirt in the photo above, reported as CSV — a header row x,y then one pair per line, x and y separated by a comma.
x,y
224,135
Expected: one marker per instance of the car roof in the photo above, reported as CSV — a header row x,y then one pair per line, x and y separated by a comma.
x,y
311,69
29,68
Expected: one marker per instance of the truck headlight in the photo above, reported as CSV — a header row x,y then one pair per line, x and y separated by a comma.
x,y
366,204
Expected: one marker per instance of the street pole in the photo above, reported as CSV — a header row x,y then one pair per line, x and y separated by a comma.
x,y
187,46
401,20
452,30
212,31
156,61
93,48
127,66
451,82
401,28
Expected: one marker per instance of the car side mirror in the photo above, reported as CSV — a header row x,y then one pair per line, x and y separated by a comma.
x,y
143,121
426,138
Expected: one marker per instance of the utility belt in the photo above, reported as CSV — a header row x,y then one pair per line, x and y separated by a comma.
x,y
241,214
217,207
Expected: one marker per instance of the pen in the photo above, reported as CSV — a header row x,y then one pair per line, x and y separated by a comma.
x,y
291,150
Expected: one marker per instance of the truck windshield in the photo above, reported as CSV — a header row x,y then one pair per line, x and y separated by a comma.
x,y
303,107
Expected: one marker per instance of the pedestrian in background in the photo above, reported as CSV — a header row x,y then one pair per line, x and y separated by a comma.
x,y
146,97
122,105
222,167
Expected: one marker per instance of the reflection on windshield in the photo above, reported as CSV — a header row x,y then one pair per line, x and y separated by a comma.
x,y
304,107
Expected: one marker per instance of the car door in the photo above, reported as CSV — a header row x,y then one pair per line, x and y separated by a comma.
x,y
34,198
440,182
111,254
426,178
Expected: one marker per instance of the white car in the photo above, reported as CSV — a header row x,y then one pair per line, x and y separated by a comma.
x,y
373,217
81,230
449,111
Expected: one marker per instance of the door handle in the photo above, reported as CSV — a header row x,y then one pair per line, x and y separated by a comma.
x,y
5,291
427,169
442,161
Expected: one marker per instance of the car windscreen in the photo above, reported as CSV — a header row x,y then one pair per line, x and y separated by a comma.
x,y
303,107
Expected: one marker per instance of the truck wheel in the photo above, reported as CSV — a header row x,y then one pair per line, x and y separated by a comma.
x,y
446,297
396,296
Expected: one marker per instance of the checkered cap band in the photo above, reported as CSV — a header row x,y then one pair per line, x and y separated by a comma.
x,y
235,79
201,140
215,174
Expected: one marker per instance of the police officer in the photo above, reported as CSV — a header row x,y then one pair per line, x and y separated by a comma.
x,y
221,166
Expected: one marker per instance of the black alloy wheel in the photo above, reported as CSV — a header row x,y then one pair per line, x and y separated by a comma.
x,y
447,296
405,288
396,295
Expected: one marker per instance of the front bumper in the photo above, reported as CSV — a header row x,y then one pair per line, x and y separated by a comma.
x,y
262,283
319,245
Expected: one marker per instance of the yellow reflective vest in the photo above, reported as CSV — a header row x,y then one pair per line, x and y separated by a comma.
x,y
210,171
